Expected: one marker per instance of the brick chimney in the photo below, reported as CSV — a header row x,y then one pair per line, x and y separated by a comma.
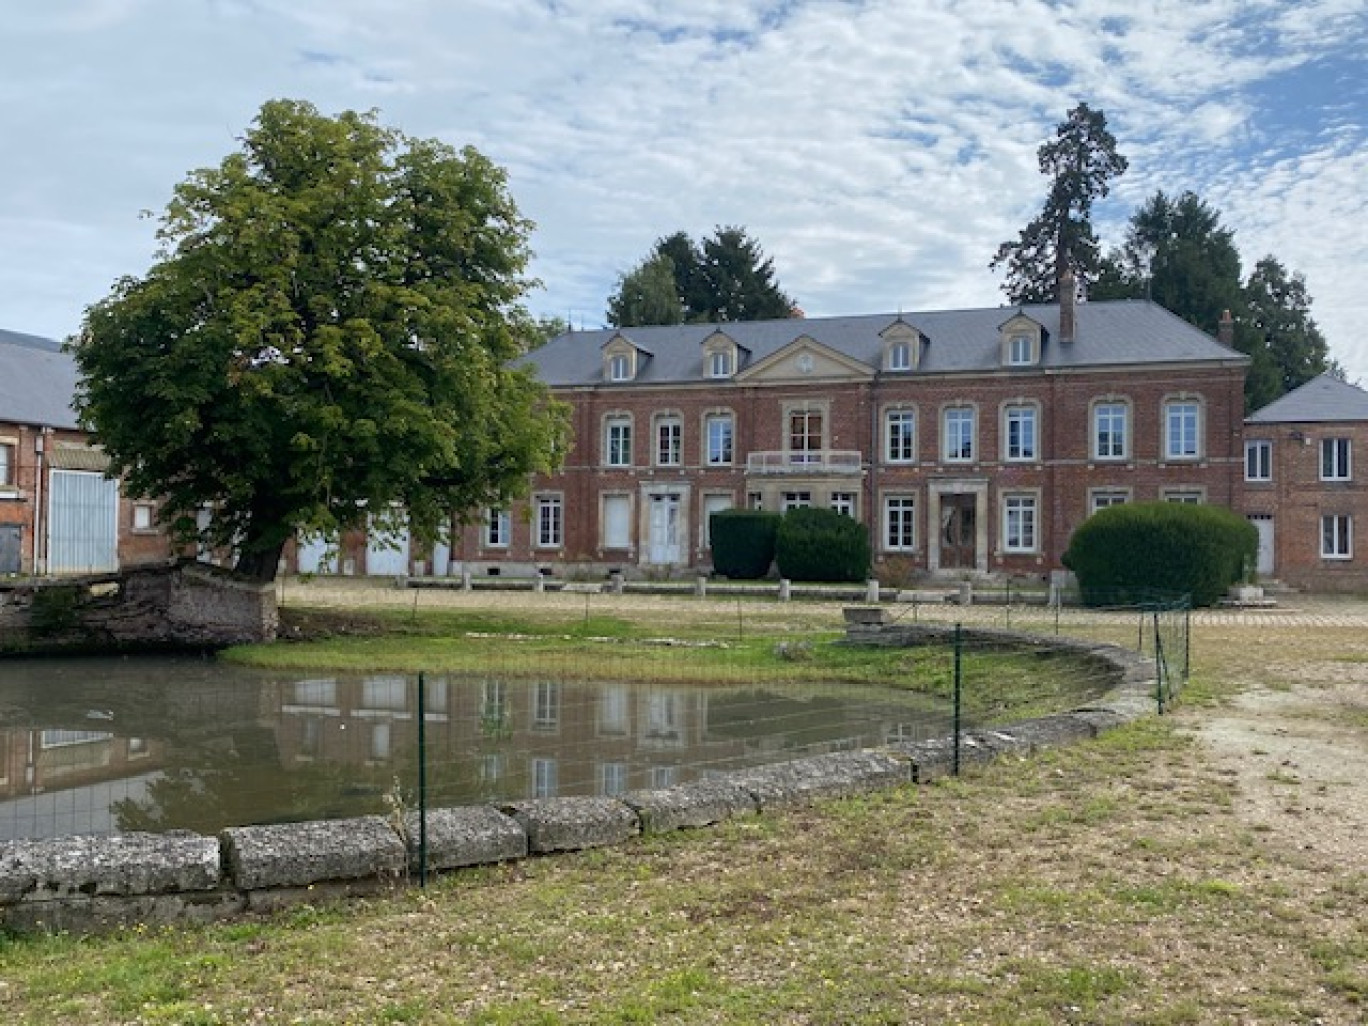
x,y
1068,305
1225,331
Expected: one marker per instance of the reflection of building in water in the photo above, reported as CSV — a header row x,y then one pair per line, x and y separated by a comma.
x,y
35,760
495,738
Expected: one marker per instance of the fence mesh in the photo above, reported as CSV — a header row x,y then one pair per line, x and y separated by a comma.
x,y
540,696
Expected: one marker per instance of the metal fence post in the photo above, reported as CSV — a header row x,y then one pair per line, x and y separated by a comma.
x,y
422,780
1160,671
957,701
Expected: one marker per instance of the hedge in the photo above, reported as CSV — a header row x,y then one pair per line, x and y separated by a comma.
x,y
743,542
822,545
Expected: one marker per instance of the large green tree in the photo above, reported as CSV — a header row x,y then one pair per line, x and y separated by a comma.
x,y
726,278
325,338
1274,326
1080,162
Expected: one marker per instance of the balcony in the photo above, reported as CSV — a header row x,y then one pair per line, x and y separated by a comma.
x,y
842,462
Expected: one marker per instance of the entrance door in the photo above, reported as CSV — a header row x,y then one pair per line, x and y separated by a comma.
x,y
1264,562
83,522
958,531
10,535
664,546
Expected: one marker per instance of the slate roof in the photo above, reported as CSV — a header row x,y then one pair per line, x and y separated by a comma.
x,y
37,381
1320,400
1122,333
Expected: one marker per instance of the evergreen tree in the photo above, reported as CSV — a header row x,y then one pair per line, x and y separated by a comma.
x,y
1276,328
647,294
1080,162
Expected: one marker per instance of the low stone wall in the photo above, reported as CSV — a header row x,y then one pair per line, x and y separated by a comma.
x,y
181,605
89,884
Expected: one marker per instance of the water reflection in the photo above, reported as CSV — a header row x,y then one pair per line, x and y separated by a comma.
x,y
102,746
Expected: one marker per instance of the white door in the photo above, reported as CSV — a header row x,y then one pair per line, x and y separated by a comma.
x,y
441,559
712,504
83,522
1264,563
317,555
387,551
617,522
664,544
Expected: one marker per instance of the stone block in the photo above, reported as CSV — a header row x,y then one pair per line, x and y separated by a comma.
x,y
300,854
122,864
823,776
571,824
695,804
472,835
1046,731
866,616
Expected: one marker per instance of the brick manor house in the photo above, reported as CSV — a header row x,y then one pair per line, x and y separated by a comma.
x,y
971,442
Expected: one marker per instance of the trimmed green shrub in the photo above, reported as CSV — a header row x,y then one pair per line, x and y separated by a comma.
x,y
743,542
1130,552
822,545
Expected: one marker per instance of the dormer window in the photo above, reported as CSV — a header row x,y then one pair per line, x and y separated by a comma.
x,y
1021,341
901,346
619,367
719,355
622,358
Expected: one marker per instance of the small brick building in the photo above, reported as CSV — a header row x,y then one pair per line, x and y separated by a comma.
x,y
1302,489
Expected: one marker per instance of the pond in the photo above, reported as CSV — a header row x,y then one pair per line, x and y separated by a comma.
x,y
114,745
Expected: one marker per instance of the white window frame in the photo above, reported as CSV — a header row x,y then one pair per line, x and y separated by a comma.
x,y
720,363
550,522
617,440
1105,498
1021,523
1193,496
1016,451
1109,409
498,528
619,367
544,777
962,437
900,523
1182,429
843,502
809,414
900,435
1258,460
546,705
1337,536
1336,459
144,517
798,499
718,454
1020,350
668,436
9,458
900,356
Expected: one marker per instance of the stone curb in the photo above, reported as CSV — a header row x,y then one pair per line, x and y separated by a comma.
x,y
698,803
572,824
471,835
301,854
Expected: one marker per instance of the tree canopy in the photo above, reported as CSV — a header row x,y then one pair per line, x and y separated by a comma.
x,y
726,278
1080,162
1276,329
324,338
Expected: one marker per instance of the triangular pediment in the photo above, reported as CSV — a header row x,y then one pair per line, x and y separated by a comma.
x,y
806,359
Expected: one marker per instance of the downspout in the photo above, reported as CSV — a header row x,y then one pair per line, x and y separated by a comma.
x,y
38,445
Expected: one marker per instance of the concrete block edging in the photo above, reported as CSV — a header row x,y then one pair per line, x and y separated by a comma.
x,y
89,884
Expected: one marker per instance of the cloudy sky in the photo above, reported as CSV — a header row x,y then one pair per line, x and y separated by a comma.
x,y
879,150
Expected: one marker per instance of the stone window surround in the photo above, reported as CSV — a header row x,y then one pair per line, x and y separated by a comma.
x,y
1037,417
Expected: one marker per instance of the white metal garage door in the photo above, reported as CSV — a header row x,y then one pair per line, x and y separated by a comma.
x,y
83,522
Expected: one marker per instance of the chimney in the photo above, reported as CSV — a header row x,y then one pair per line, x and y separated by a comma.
x,y
1068,305
1225,331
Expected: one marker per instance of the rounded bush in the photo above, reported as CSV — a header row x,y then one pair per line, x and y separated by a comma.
x,y
822,545
743,542
1129,553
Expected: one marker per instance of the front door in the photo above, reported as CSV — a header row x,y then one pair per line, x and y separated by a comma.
x,y
1264,561
664,548
958,531
10,540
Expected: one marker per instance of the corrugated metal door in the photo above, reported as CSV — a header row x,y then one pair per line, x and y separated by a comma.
x,y
83,522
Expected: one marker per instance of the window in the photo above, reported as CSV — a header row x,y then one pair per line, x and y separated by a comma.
x,y
900,356
755,500
617,443
1181,421
494,711
1019,351
712,504
959,434
1334,459
664,776
1188,496
1109,431
805,436
669,442
546,698
796,500
900,435
612,778
843,502
1259,461
1336,537
1020,434
544,778
617,521
900,523
619,367
550,521
718,427
498,528
7,469
720,364
613,710
1019,523
1102,498
142,515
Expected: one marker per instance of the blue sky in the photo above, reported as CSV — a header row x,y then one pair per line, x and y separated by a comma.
x,y
878,149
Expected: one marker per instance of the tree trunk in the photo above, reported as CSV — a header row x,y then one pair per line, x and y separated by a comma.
x,y
260,564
